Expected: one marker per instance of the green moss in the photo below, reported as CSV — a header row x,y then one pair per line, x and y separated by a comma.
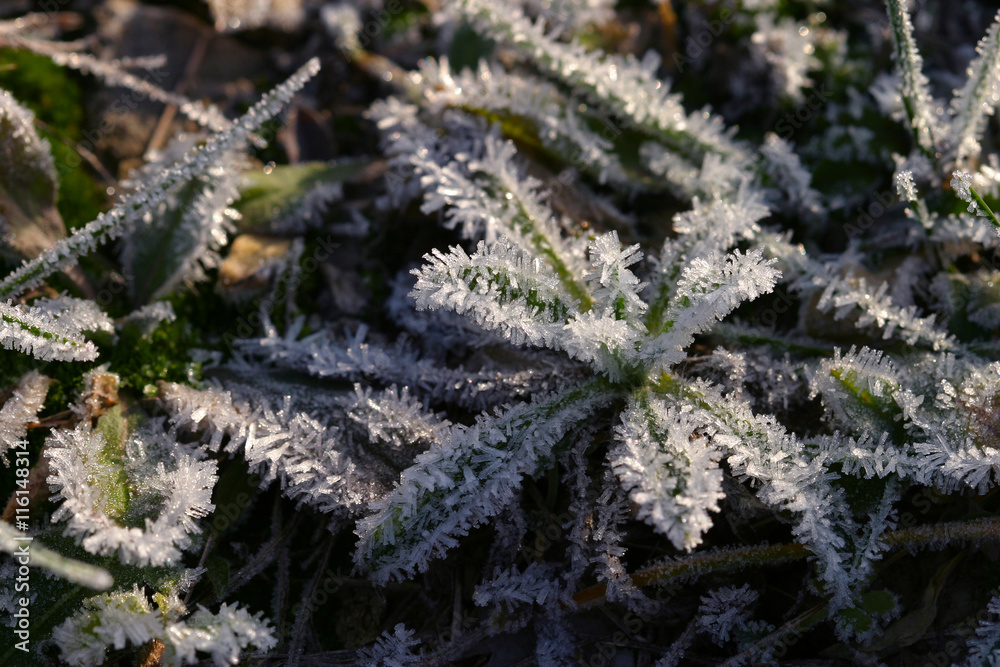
x,y
54,95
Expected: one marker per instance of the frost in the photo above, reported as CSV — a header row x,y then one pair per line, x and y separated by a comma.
x,y
391,649
20,409
132,208
115,620
139,499
670,471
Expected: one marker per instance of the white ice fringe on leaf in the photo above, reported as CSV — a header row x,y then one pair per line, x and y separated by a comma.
x,y
724,610
615,288
570,16
126,618
670,471
181,236
984,648
394,417
32,331
501,288
539,102
466,480
132,208
978,98
858,390
35,149
538,584
711,226
472,175
792,178
758,448
152,483
20,409
848,294
147,318
283,444
81,314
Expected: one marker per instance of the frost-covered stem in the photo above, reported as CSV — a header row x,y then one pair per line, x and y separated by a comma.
x,y
131,207
961,183
984,207
296,647
776,554
73,571
796,625
913,83
978,96
700,564
944,533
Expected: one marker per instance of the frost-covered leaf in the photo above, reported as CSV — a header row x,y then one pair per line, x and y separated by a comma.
x,y
858,390
501,288
181,236
13,541
465,480
711,226
669,468
391,649
127,618
972,106
913,85
281,196
137,494
709,289
44,336
524,101
624,86
20,409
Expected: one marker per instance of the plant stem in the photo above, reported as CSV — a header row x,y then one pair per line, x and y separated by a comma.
x,y
776,554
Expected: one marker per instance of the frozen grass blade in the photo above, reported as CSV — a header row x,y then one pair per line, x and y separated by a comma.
x,y
978,97
131,208
13,542
917,99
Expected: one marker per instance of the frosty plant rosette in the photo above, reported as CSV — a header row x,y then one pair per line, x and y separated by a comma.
x,y
553,344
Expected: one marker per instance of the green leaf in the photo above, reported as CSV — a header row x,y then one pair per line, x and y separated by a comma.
x,y
275,192
158,255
